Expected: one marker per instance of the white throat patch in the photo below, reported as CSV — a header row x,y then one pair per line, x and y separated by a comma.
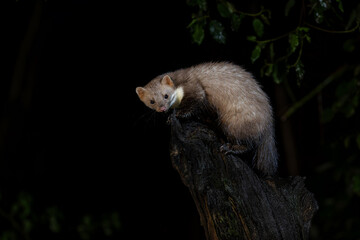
x,y
176,97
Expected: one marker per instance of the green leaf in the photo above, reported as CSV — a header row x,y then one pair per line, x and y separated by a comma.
x,y
265,19
357,70
355,100
54,216
300,72
200,3
236,21
272,52
251,38
231,7
269,70
358,140
192,23
255,53
289,5
275,74
224,10
27,225
354,16
349,45
217,31
15,208
348,110
340,5
327,115
346,100
8,235
303,29
319,7
198,33
279,72
258,27
347,142
356,184
294,41
345,88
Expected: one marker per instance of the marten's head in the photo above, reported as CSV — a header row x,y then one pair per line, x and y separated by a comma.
x,y
160,94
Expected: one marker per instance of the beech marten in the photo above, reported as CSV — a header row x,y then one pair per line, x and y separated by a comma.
x,y
243,109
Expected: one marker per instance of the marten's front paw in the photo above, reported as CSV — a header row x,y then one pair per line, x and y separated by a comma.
x,y
177,115
183,114
172,117
229,148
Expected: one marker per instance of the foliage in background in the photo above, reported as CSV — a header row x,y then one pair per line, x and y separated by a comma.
x,y
276,62
338,177
282,58
22,218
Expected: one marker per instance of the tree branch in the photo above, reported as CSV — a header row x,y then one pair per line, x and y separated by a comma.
x,y
313,93
232,201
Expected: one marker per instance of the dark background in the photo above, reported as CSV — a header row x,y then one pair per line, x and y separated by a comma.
x,y
74,135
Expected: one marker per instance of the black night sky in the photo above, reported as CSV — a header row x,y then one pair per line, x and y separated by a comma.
x,y
83,142
74,134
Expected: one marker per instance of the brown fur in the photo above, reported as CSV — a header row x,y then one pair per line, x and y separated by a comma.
x,y
243,109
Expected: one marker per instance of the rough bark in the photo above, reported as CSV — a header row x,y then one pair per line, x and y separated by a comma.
x,y
232,200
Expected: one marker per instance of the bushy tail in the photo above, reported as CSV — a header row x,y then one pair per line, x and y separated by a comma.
x,y
266,157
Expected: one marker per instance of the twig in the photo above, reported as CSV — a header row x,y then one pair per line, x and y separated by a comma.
x,y
315,91
255,14
334,31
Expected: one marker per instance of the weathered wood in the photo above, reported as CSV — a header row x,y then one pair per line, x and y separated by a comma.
x,y
232,201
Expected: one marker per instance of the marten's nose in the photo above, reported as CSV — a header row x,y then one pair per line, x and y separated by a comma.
x,y
162,109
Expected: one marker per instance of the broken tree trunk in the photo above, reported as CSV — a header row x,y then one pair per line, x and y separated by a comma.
x,y
232,200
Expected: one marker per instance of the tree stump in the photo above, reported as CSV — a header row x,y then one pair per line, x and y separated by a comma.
x,y
232,200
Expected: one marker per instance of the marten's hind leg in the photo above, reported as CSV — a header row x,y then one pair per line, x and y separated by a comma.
x,y
241,136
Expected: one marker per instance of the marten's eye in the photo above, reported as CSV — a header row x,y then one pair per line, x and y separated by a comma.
x,y
166,96
152,101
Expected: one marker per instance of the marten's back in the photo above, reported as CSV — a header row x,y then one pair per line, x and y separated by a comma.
x,y
242,107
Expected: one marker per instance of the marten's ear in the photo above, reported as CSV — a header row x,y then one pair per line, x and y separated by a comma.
x,y
167,81
141,92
